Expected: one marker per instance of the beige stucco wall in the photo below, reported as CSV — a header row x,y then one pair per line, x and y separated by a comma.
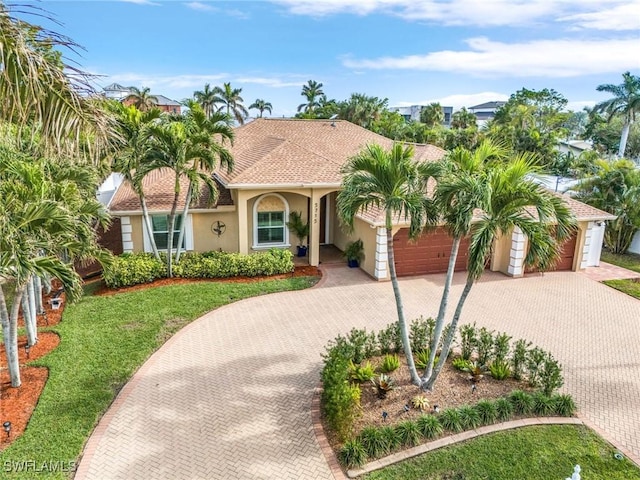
x,y
204,239
364,231
501,254
136,233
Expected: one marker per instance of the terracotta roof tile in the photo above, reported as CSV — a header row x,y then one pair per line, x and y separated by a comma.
x,y
158,189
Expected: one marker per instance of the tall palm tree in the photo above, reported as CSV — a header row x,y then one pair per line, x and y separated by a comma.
x,y
41,95
261,106
462,119
625,102
432,115
507,196
131,153
388,180
312,91
206,98
191,148
142,98
231,102
362,109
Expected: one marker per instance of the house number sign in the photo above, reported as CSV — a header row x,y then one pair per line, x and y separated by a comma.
x,y
315,212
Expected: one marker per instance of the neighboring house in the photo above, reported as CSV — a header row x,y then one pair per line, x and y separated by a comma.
x,y
575,147
119,92
485,111
412,113
285,165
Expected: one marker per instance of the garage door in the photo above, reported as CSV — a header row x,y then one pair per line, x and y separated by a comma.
x,y
428,254
567,252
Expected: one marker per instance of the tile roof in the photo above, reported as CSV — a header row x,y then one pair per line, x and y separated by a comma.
x,y
158,189
296,152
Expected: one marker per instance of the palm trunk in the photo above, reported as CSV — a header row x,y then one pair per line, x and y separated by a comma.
x,y
31,298
623,139
26,316
442,311
446,346
38,289
11,339
147,222
172,223
185,212
404,331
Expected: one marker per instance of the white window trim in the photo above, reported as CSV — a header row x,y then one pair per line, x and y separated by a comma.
x,y
266,246
188,235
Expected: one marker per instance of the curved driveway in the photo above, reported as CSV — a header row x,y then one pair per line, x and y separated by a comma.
x,y
229,396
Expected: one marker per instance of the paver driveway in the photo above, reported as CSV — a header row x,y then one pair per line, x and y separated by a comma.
x,y
229,396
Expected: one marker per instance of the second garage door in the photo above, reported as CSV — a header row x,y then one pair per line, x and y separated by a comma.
x,y
428,254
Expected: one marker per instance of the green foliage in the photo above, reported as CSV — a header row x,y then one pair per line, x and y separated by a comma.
x,y
522,402
461,364
299,227
352,454
484,346
543,404
422,359
354,250
487,411
564,405
421,333
500,369
363,343
409,433
361,373
430,426
420,402
451,420
384,384
550,375
470,417
475,369
390,437
374,442
468,340
224,265
501,347
504,409
390,363
133,269
535,359
389,339
519,358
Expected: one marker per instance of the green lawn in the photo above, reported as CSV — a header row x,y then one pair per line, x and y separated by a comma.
x,y
630,261
531,453
630,287
104,340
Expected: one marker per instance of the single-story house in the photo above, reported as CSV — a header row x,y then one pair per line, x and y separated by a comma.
x,y
285,165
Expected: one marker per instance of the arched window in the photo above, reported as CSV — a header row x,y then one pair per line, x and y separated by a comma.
x,y
270,214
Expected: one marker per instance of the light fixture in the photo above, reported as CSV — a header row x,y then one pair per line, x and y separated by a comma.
x,y
7,428
473,388
436,408
27,349
384,416
407,408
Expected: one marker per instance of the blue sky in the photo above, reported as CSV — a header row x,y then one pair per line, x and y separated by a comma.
x,y
458,52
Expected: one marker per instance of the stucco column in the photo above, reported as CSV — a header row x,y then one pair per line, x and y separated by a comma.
x,y
588,245
516,255
243,223
126,229
314,235
381,271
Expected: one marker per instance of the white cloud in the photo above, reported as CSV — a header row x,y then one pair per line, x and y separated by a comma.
x,y
142,2
538,58
620,17
201,7
578,105
160,82
599,14
270,82
459,100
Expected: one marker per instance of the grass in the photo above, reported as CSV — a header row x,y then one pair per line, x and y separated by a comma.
x,y
530,453
629,261
630,287
104,340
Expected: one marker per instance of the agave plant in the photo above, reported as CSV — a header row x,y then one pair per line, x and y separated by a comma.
x,y
384,384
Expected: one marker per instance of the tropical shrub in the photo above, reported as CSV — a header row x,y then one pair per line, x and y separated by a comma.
x,y
504,409
422,359
451,420
363,343
374,441
470,417
390,363
484,346
409,433
542,404
361,373
383,384
421,333
224,264
487,411
522,402
550,375
501,347
133,269
535,359
468,340
500,369
519,358
564,405
420,402
429,426
461,363
389,339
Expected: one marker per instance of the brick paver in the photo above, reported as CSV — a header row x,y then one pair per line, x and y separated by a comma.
x,y
230,395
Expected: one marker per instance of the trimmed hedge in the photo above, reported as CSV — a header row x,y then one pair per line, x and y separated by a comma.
x,y
135,268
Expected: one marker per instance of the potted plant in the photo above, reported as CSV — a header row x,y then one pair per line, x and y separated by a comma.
x,y
354,252
300,229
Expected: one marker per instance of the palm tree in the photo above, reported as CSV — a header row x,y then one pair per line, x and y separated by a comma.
x,y
41,95
432,115
261,106
625,102
141,98
206,99
388,180
362,109
311,91
505,194
231,101
462,119
130,153
190,148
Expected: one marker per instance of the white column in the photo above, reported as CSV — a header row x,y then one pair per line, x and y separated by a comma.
x,y
381,269
243,224
314,234
127,241
588,245
516,255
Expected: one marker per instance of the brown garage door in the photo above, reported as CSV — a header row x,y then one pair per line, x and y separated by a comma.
x,y
567,252
428,254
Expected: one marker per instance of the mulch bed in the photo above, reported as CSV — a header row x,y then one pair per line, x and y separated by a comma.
x,y
47,341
